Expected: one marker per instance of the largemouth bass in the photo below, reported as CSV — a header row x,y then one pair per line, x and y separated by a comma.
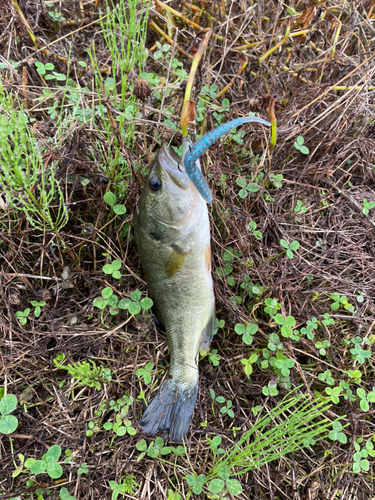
x,y
173,238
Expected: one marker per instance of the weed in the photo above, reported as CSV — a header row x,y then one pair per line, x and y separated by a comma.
x,y
326,377
110,199
334,394
48,463
300,207
173,495
277,180
246,188
339,301
322,346
219,324
367,206
246,332
286,324
64,494
127,484
270,390
22,316
293,246
248,368
8,423
120,426
144,373
299,145
113,269
252,228
153,450
29,185
38,306
272,306
359,354
263,443
83,469
360,456
224,410
86,373
336,434
365,399
214,357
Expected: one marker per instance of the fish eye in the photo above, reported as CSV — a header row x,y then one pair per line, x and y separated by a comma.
x,y
155,183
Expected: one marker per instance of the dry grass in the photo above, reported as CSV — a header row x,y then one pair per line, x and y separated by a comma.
x,y
324,85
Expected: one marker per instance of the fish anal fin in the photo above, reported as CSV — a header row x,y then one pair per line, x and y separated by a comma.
x,y
207,335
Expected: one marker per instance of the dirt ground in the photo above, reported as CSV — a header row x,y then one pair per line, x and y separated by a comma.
x,y
320,77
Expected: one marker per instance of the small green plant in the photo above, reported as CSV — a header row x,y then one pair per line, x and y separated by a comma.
x,y
127,484
64,495
38,306
219,325
246,188
322,346
133,305
272,306
120,426
270,390
173,495
113,269
110,199
224,410
327,320
286,324
214,357
367,206
277,180
248,364
83,469
336,433
358,354
252,228
293,246
145,372
360,456
86,373
48,463
299,145
365,399
22,316
333,393
153,450
326,377
30,185
246,332
8,423
300,207
341,301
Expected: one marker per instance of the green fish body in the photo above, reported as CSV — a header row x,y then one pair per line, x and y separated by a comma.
x,y
173,238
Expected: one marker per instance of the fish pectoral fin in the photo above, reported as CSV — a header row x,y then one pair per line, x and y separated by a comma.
x,y
175,261
207,335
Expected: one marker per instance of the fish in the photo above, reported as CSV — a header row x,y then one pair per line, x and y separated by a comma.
x,y
172,233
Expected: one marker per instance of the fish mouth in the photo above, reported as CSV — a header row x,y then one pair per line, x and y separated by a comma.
x,y
171,165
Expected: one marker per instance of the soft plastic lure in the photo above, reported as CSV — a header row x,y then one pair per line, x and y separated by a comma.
x,y
197,149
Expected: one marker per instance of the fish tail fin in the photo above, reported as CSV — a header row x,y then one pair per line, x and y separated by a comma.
x,y
171,410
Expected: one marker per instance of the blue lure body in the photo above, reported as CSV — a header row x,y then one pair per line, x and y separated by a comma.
x,y
197,149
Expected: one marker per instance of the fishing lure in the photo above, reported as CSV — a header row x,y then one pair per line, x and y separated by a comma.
x,y
197,149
